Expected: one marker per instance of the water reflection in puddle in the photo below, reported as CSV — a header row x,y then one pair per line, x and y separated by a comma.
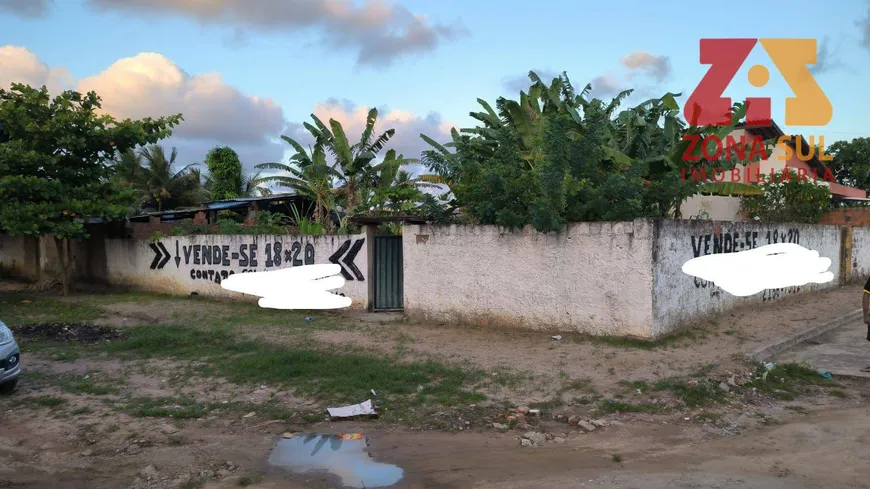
x,y
343,455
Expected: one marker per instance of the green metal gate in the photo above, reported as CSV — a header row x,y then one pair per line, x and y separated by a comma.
x,y
389,278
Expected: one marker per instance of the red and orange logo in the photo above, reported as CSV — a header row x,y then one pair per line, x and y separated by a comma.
x,y
809,107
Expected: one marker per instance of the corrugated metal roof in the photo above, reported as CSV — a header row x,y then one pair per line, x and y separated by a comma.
x,y
225,205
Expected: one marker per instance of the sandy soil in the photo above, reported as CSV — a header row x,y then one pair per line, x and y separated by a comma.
x,y
722,341
105,448
90,441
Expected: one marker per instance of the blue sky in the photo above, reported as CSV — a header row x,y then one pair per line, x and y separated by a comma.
x,y
305,56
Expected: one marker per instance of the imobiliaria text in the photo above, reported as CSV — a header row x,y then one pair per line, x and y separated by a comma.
x,y
713,149
700,175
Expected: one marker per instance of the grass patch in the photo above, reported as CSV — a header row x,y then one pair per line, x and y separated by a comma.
x,y
641,385
641,344
786,380
708,417
166,407
337,377
190,408
197,483
250,480
610,406
45,401
21,309
177,440
332,376
81,410
617,458
837,393
703,393
86,386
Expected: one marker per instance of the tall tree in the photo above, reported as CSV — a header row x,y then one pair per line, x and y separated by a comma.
x,y
55,164
851,162
354,161
389,188
308,174
129,173
253,184
553,157
225,172
167,187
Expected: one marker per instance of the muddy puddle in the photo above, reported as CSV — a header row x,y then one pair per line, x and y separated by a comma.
x,y
342,455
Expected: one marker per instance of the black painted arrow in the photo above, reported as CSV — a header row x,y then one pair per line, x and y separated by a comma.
x,y
166,258
335,256
157,255
161,256
177,255
348,259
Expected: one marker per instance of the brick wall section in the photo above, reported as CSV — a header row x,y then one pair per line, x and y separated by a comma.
x,y
850,216
144,230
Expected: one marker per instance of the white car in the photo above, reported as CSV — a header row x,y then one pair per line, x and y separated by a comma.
x,y
10,360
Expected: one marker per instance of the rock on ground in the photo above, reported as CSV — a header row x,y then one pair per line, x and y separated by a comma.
x,y
535,437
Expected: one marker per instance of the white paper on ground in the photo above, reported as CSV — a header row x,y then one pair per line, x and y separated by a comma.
x,y
361,409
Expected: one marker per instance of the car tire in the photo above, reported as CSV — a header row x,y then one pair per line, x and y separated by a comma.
x,y
8,387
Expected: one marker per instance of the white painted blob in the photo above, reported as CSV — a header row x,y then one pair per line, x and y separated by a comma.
x,y
772,266
305,287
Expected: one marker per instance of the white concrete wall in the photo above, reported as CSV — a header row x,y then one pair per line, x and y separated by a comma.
x,y
716,207
680,299
860,253
592,278
191,268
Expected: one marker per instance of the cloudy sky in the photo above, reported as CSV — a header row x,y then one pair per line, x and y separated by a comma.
x,y
243,72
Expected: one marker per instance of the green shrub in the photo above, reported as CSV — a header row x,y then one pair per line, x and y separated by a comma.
x,y
787,198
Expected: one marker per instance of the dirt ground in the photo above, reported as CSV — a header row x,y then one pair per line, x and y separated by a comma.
x,y
86,421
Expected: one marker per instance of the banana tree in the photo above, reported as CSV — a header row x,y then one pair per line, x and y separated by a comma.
x,y
390,188
353,161
310,175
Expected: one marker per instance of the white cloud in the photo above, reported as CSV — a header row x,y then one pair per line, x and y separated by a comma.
x,y
215,113
659,67
150,85
379,31
194,150
605,85
19,65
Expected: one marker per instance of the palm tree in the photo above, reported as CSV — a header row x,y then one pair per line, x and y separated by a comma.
x,y
251,183
127,171
166,187
128,166
309,175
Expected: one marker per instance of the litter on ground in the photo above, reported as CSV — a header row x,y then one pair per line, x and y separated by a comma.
x,y
361,409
